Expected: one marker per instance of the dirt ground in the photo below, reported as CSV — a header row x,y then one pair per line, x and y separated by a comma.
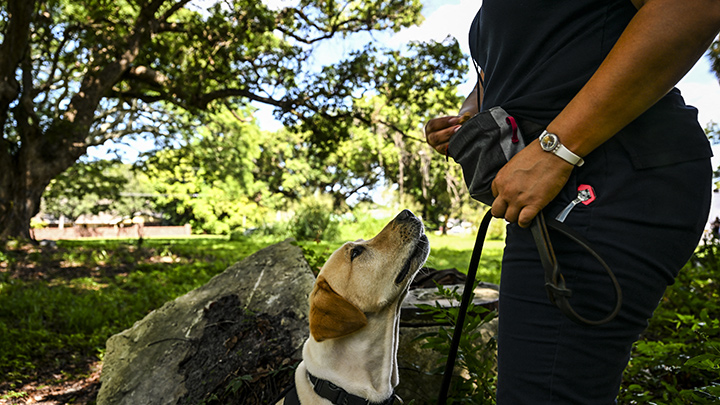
x,y
54,389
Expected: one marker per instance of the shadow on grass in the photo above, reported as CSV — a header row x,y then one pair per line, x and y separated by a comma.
x,y
59,305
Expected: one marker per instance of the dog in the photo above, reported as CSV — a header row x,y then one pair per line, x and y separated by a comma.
x,y
351,354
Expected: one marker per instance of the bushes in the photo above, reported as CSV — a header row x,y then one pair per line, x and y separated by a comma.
x,y
677,360
313,221
476,355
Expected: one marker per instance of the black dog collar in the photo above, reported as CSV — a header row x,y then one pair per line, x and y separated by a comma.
x,y
339,396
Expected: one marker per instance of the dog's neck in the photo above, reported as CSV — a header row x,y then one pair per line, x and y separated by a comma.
x,y
363,363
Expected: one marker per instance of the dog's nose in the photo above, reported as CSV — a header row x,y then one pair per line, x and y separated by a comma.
x,y
405,214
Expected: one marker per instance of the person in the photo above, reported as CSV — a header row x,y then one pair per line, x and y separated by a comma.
x,y
600,76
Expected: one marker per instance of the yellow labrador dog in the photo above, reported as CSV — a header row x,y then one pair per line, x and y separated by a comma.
x,y
351,354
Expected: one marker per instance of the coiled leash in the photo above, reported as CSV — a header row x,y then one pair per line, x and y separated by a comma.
x,y
554,280
554,283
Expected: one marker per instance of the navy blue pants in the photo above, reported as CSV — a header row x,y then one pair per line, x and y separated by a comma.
x,y
645,224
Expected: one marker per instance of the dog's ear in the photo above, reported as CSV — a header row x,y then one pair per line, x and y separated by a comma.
x,y
331,315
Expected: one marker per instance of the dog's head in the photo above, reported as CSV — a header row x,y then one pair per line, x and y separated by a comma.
x,y
366,277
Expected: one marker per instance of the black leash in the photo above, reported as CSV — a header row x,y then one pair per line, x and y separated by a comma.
x,y
554,283
467,294
554,280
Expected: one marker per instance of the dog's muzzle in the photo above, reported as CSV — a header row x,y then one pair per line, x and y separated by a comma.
x,y
422,246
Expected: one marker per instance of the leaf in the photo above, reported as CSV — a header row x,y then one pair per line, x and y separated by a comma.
x,y
706,361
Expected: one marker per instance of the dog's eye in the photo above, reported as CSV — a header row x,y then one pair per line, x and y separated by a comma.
x,y
355,252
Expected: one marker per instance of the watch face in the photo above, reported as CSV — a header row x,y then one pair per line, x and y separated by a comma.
x,y
548,141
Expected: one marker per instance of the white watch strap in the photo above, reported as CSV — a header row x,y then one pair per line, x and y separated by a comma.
x,y
568,156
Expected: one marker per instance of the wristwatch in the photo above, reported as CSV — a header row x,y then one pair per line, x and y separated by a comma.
x,y
550,143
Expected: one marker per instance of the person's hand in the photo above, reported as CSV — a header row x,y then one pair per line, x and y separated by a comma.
x,y
527,183
439,130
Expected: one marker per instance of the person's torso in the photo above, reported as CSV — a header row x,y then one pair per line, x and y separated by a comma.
x,y
537,54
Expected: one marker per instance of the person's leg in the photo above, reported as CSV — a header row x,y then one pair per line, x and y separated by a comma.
x,y
645,224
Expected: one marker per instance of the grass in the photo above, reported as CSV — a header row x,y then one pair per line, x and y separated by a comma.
x,y
59,306
453,251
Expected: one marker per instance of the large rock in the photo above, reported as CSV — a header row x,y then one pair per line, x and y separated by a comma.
x,y
187,348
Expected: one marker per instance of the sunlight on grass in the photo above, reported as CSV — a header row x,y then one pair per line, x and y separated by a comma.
x,y
92,289
453,251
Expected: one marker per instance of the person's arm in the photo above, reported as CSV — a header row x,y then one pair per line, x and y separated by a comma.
x,y
470,105
661,43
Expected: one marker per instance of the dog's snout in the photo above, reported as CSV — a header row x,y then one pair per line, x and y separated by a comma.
x,y
405,215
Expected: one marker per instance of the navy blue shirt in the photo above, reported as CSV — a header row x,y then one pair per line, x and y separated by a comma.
x,y
537,54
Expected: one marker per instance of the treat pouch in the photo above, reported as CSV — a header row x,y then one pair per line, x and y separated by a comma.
x,y
482,146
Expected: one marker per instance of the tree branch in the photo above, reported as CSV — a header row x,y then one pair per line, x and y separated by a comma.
x,y
28,122
203,100
56,59
146,75
12,50
138,95
171,11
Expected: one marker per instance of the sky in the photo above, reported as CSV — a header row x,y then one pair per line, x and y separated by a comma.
x,y
453,17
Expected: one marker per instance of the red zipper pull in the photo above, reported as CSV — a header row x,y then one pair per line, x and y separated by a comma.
x,y
511,121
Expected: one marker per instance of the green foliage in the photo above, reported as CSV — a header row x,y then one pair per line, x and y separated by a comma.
x,y
92,289
714,56
476,357
314,222
103,186
362,225
276,230
208,181
453,251
677,359
94,71
14,395
86,188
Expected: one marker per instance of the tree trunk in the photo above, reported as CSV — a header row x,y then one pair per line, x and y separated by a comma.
x,y
18,204
24,177
16,222
23,185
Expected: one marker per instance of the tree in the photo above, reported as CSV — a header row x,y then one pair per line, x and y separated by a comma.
x,y
87,187
228,174
714,55
76,73
208,180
